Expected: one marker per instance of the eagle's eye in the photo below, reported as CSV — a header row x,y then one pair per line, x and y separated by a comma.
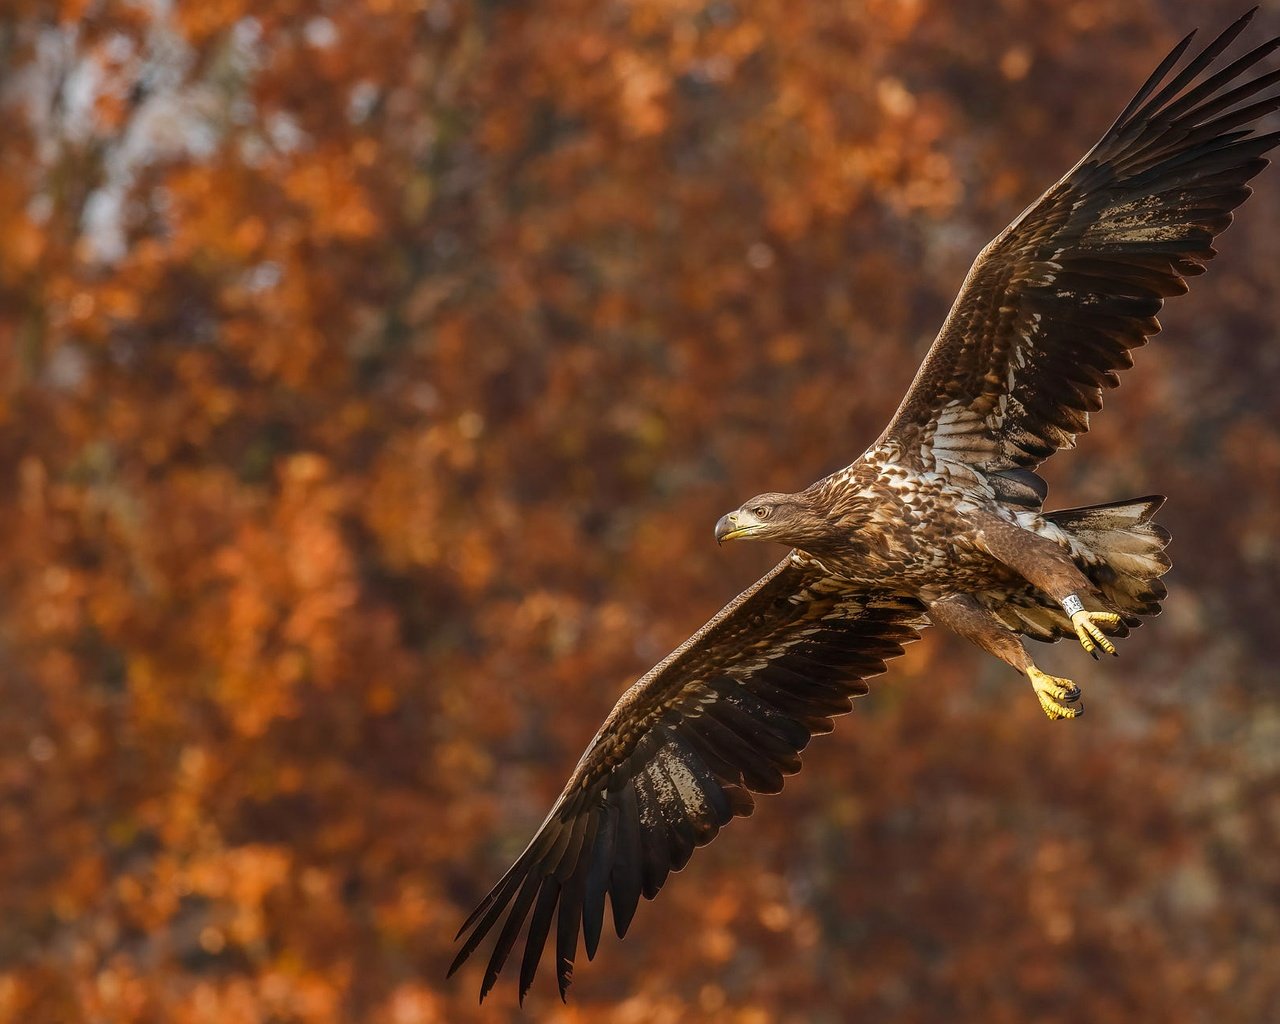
x,y
761,511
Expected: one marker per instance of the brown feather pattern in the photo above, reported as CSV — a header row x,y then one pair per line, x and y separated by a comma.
x,y
724,716
1052,307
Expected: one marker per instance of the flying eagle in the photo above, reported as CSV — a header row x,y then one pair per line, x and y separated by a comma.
x,y
940,521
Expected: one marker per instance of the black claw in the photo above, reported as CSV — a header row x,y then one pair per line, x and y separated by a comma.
x,y
1094,654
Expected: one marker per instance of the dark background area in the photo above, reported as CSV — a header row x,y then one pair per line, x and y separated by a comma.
x,y
371,378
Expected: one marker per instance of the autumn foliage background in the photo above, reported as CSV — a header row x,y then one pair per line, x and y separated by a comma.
x,y
373,375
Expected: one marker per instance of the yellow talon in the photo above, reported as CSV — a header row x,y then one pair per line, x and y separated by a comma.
x,y
1091,637
1057,697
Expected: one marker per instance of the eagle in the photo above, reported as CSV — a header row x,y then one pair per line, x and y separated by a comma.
x,y
940,521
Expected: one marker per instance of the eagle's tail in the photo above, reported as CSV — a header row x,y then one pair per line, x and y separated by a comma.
x,y
1117,547
1121,550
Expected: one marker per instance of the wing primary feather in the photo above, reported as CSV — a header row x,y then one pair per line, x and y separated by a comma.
x,y
1232,71
570,917
539,928
494,910
1194,66
502,889
681,837
1217,133
492,895
1152,82
625,877
1221,157
510,931
598,881
653,838
1242,92
565,857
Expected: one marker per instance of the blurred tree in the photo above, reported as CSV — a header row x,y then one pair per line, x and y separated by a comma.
x,y
372,377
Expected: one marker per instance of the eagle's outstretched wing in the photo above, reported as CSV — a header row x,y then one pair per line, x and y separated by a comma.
x,y
723,716
1052,306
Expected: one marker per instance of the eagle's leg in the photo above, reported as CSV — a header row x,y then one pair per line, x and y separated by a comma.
x,y
963,615
1047,567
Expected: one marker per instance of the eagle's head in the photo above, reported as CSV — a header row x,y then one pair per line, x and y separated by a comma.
x,y
784,518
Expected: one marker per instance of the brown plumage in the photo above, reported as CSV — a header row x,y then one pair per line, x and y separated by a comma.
x,y
940,521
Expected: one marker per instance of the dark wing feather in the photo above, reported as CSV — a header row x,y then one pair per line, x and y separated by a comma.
x,y
726,714
1053,305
